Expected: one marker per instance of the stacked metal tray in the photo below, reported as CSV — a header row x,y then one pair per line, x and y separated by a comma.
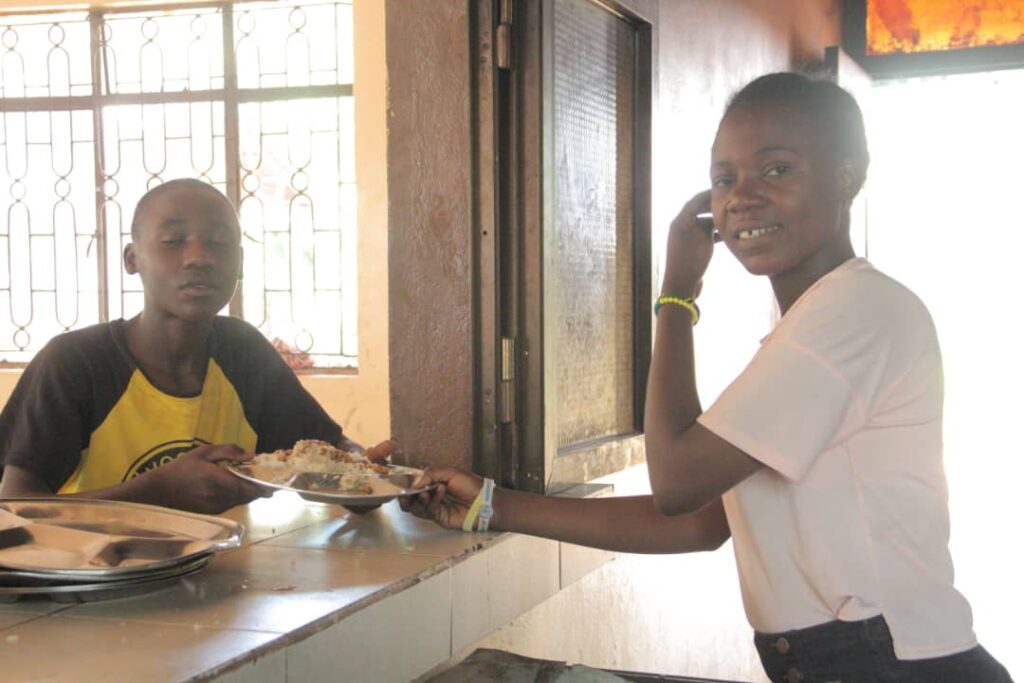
x,y
78,550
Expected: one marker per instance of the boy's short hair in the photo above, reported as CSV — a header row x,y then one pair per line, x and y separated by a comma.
x,y
155,192
829,107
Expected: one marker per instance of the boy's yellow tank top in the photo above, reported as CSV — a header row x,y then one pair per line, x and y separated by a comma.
x,y
130,441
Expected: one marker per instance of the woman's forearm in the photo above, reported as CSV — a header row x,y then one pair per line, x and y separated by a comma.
x,y
621,524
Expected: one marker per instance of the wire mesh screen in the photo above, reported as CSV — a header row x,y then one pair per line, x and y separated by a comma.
x,y
98,107
594,62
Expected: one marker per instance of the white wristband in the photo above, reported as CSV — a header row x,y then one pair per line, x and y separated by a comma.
x,y
486,508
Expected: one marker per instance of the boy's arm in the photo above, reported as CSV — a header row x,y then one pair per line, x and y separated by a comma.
x,y
626,524
347,444
18,482
44,423
193,481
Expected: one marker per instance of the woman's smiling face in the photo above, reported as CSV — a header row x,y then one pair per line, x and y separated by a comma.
x,y
775,191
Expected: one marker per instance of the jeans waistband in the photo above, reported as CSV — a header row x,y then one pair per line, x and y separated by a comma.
x,y
862,652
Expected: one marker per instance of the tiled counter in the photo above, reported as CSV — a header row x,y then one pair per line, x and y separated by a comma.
x,y
315,594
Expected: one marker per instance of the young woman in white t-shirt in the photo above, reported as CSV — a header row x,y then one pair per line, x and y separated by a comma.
x,y
823,459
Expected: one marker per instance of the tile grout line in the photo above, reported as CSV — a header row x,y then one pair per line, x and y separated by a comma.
x,y
451,609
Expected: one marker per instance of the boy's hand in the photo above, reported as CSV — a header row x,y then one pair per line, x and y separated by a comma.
x,y
450,501
690,245
379,453
347,444
195,482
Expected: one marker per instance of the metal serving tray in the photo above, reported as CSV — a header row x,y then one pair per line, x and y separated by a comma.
x,y
104,590
82,540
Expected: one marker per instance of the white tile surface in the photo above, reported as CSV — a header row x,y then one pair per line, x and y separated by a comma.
x,y
321,594
35,608
386,529
57,649
8,619
271,668
393,640
264,588
283,512
490,589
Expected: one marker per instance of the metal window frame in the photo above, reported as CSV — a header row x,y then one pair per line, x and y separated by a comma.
x,y
230,95
513,131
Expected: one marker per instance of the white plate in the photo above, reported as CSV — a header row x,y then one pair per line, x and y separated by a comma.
x,y
317,487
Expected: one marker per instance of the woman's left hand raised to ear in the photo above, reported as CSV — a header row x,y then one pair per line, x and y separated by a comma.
x,y
690,245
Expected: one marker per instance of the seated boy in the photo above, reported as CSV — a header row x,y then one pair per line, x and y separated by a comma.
x,y
132,409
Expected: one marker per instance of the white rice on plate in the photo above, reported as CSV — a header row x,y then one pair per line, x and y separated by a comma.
x,y
311,455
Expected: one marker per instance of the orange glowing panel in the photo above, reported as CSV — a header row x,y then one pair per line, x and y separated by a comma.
x,y
931,25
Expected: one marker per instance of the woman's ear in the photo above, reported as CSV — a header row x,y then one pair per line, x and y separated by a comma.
x,y
241,262
849,180
130,266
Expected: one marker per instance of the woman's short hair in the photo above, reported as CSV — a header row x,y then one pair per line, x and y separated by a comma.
x,y
831,109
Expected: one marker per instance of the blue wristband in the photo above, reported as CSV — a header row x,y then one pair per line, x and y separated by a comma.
x,y
486,507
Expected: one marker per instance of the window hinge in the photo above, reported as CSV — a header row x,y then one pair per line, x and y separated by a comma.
x,y
503,36
506,392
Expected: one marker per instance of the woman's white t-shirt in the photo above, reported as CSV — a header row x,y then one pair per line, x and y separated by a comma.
x,y
849,518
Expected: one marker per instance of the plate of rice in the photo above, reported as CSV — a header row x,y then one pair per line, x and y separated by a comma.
x,y
321,472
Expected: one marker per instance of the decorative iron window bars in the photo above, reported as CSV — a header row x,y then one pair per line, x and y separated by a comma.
x,y
97,107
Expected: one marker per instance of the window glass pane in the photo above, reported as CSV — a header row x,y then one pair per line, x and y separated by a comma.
x,y
42,55
163,51
48,250
298,217
293,44
295,170
594,63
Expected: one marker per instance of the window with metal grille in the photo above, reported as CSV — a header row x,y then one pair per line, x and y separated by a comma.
x,y
98,106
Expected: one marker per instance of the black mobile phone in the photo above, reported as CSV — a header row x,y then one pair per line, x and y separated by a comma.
x,y
707,222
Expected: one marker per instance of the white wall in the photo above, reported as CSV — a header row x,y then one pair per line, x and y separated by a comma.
x,y
943,205
670,614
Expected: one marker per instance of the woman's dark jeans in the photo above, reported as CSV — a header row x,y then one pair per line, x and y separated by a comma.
x,y
862,652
